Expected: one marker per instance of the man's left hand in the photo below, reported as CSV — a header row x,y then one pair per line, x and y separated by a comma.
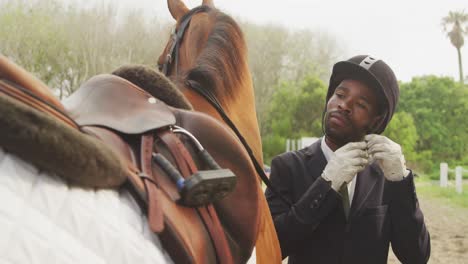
x,y
388,155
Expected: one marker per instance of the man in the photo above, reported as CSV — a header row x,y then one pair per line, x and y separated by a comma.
x,y
351,192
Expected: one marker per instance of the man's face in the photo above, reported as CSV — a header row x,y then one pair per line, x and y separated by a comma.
x,y
351,112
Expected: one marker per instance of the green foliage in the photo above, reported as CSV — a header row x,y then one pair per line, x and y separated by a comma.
x,y
278,55
439,107
446,195
43,48
273,144
295,111
64,45
403,130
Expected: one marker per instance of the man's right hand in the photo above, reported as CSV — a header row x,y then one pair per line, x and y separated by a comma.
x,y
345,163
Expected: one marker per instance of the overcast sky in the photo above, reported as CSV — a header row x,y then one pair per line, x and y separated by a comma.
x,y
405,33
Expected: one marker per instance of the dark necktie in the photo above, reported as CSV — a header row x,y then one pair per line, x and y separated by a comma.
x,y
345,198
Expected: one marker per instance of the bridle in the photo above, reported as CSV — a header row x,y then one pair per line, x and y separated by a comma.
x,y
172,58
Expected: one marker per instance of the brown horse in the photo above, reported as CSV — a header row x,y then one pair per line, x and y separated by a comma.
x,y
56,138
207,58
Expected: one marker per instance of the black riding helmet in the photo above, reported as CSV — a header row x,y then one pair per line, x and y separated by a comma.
x,y
377,75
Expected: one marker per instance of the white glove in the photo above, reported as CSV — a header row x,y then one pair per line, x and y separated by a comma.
x,y
345,163
388,155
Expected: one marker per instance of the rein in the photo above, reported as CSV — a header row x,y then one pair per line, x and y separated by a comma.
x,y
177,36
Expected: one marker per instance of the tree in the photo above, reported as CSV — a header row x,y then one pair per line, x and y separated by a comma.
x,y
266,48
295,111
453,25
403,130
278,55
439,107
64,45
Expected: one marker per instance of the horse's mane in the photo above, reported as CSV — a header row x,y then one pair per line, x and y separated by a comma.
x,y
222,65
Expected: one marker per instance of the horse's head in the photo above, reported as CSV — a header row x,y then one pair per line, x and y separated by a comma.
x,y
207,46
207,50
188,38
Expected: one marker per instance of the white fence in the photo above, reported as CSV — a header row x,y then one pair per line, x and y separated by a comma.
x,y
296,144
444,181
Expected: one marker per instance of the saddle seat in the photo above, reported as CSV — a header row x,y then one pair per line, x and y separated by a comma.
x,y
115,103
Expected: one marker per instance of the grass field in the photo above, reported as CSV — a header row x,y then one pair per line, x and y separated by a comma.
x,y
425,187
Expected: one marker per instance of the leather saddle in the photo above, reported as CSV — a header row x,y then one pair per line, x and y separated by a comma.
x,y
156,151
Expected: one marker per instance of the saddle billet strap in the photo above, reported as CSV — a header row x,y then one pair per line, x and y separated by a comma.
x,y
30,99
187,167
178,151
155,211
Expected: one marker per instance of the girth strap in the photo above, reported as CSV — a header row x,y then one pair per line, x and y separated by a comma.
x,y
187,167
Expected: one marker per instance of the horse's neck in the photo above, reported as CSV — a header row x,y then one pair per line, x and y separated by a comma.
x,y
243,113
241,110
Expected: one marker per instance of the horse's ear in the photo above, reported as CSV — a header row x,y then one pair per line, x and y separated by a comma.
x,y
177,8
208,3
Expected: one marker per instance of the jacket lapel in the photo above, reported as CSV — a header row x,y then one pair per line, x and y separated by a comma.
x,y
365,182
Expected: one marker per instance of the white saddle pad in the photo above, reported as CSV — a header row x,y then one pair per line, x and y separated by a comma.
x,y
42,220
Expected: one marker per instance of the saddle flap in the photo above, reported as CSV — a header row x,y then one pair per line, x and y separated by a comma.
x,y
110,101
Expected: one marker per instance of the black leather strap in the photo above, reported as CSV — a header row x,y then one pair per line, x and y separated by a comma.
x,y
177,36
